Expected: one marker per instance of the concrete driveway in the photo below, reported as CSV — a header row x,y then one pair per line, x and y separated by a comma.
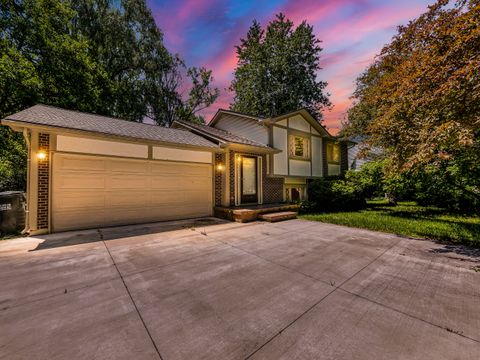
x,y
213,290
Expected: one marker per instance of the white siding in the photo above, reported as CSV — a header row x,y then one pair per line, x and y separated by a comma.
x,y
353,161
165,153
101,147
299,123
299,168
280,160
333,169
316,156
245,127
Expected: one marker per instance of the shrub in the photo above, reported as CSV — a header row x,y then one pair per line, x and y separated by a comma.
x,y
332,194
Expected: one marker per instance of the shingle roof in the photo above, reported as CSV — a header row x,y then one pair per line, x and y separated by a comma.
x,y
222,134
67,119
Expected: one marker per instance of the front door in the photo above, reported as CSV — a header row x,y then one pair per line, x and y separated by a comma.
x,y
249,180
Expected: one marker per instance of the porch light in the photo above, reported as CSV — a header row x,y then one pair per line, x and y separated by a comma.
x,y
220,167
41,155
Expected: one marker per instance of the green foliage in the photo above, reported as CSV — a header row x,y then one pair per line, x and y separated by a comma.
x,y
369,181
419,103
277,70
333,194
409,219
143,77
13,158
100,56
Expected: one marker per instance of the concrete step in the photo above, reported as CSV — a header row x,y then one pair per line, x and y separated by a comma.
x,y
278,216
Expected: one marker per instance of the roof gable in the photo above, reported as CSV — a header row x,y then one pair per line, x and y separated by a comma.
x,y
306,115
219,134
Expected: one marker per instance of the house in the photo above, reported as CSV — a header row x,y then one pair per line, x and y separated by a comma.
x,y
87,171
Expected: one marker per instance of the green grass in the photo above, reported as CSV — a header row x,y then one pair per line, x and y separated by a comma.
x,y
409,219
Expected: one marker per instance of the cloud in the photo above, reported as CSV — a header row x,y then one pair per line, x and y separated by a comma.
x,y
205,33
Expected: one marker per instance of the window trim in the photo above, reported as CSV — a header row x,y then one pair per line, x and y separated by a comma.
x,y
333,144
306,147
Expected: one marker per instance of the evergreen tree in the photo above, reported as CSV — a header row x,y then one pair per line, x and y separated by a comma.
x,y
277,70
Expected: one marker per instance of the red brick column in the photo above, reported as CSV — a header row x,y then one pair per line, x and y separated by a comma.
x,y
43,182
324,158
231,168
343,157
219,159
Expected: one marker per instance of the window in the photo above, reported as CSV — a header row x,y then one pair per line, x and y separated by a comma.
x,y
299,147
333,153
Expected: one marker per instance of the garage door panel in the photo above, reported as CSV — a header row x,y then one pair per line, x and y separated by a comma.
x,y
93,191
129,182
78,219
78,200
128,199
123,166
80,181
81,164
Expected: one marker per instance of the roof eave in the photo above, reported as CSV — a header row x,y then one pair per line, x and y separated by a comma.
x,y
18,125
253,149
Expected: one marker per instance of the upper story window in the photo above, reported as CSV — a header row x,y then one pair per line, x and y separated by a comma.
x,y
333,153
299,147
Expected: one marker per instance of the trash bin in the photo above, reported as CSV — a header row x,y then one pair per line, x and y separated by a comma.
x,y
12,212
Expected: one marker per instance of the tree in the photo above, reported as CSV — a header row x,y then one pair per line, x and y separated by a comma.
x,y
41,60
420,99
277,70
145,78
100,56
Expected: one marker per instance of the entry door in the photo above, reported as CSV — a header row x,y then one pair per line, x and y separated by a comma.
x,y
249,180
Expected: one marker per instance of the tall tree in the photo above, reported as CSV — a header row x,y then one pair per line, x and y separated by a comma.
x,y
100,56
41,60
277,70
145,78
420,99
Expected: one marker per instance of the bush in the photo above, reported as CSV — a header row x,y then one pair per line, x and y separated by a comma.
x,y
332,194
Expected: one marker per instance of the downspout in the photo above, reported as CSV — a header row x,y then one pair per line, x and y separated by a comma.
x,y
26,136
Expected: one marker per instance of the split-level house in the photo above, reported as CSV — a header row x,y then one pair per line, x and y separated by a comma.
x,y
269,160
87,171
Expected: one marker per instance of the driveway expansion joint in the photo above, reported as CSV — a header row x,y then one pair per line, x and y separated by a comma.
x,y
132,300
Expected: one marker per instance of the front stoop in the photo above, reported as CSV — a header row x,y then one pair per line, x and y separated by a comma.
x,y
252,213
278,216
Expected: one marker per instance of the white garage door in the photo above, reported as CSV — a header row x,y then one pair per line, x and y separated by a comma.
x,y
94,191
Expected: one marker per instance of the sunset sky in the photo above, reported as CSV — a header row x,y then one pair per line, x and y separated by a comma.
x,y
204,33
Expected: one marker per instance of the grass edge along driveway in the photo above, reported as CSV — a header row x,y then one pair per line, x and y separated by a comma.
x,y
408,219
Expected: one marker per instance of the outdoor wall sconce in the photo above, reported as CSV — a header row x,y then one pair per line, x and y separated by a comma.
x,y
41,155
220,167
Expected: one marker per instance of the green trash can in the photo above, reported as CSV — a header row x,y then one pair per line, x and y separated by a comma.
x,y
12,212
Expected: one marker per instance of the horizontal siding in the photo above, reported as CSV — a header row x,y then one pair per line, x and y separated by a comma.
x,y
245,127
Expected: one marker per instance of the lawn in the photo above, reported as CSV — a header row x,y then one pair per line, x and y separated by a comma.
x,y
409,219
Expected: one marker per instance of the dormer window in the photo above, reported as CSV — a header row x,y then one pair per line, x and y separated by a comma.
x,y
299,147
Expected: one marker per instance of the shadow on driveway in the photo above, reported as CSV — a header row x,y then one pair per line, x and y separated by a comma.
x,y
112,233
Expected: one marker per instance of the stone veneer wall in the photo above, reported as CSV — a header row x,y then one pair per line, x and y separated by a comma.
x,y
43,182
272,187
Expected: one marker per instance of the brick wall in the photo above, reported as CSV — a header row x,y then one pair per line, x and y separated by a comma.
x,y
43,180
219,159
272,187
231,168
272,190
343,157
324,158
